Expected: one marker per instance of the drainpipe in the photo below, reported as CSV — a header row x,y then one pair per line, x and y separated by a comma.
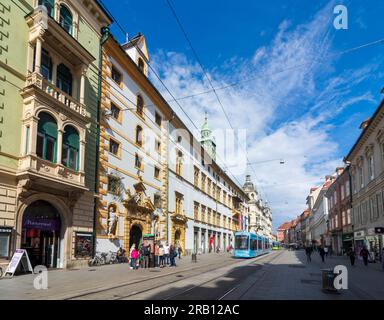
x,y
168,146
104,37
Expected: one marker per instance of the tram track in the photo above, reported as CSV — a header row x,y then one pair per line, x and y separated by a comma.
x,y
219,277
126,285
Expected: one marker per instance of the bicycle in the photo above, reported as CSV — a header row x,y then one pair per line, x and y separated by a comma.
x,y
1,272
97,260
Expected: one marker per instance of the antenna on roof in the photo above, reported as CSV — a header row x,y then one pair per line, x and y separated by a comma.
x,y
126,38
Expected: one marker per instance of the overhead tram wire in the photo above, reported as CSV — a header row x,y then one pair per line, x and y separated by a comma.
x,y
233,84
161,81
210,82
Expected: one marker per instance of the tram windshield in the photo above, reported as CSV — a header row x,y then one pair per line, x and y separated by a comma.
x,y
241,243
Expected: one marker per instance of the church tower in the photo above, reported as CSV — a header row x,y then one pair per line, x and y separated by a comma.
x,y
207,140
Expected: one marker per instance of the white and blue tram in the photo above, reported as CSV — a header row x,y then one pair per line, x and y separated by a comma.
x,y
250,245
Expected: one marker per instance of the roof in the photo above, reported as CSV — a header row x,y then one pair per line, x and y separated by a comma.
x,y
365,130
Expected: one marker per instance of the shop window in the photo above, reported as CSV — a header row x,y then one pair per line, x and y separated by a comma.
x,y
71,147
66,19
5,237
46,137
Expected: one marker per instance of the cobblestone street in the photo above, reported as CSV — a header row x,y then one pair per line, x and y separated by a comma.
x,y
278,275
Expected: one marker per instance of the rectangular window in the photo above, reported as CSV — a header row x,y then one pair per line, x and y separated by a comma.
x,y
361,177
5,236
138,162
347,188
158,146
157,173
196,177
178,204
370,168
116,75
342,192
26,140
158,119
114,147
196,211
115,111
114,184
343,217
203,180
348,216
203,212
50,149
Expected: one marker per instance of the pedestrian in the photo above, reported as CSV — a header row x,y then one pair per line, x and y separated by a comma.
x,y
322,253
352,256
157,255
121,255
365,253
166,253
161,256
308,252
134,255
145,253
382,258
172,255
326,251
179,251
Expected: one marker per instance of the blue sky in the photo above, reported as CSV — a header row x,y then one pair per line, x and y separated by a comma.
x,y
297,99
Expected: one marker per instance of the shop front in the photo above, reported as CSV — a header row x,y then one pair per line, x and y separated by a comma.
x,y
359,240
347,241
374,243
5,243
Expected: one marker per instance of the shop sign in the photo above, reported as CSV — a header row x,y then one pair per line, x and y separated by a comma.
x,y
42,224
20,256
371,232
348,237
359,234
5,230
379,230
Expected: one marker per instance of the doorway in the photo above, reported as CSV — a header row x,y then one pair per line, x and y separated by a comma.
x,y
41,234
135,236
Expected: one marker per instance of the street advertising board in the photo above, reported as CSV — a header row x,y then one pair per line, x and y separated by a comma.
x,y
20,256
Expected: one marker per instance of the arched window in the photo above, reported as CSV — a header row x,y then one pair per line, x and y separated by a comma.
x,y
139,135
46,137
140,105
66,19
141,64
64,79
50,5
71,147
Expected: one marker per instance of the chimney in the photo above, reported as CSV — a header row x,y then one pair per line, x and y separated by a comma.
x,y
365,123
339,170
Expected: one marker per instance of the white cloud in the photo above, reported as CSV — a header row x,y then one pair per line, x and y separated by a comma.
x,y
283,108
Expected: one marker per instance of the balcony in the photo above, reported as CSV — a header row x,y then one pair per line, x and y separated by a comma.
x,y
37,86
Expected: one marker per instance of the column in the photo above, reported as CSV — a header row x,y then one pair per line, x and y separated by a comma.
x,y
82,156
199,248
59,146
33,135
39,43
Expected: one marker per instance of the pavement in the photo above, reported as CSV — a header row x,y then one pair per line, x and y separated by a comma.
x,y
280,275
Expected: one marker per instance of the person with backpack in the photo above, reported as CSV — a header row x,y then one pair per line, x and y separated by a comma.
x,y
145,252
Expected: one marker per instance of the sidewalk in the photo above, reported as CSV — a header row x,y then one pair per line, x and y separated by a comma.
x,y
68,282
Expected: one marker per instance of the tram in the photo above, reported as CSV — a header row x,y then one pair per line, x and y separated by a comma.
x,y
250,245
276,245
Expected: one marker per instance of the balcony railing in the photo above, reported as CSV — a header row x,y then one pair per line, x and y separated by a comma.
x,y
37,80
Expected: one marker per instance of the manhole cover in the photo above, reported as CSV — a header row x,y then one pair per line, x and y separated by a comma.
x,y
297,266
180,276
154,270
309,281
92,270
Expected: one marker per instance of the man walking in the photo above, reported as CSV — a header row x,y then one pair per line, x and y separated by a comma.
x,y
322,253
352,257
308,252
365,253
146,252
166,253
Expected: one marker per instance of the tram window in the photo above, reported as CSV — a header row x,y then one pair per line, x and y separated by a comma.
x,y
253,244
241,243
